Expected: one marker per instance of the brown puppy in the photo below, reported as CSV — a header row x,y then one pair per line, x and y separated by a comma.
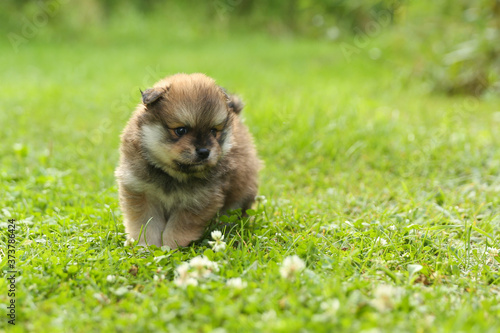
x,y
185,155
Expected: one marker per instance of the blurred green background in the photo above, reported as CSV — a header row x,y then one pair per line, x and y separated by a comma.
x,y
453,46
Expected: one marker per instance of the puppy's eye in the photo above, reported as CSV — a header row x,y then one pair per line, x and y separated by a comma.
x,y
180,131
213,131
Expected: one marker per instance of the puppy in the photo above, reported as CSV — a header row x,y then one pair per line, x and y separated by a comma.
x,y
185,155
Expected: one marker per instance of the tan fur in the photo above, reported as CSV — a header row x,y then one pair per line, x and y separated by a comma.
x,y
168,192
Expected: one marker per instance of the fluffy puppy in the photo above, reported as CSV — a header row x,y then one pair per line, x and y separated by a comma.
x,y
184,156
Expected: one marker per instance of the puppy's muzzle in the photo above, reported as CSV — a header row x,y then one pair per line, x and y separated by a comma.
x,y
202,153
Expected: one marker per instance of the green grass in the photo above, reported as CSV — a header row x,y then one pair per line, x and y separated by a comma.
x,y
355,150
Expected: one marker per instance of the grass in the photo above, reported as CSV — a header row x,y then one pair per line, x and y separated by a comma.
x,y
387,193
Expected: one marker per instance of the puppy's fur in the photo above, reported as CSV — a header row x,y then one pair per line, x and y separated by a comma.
x,y
185,155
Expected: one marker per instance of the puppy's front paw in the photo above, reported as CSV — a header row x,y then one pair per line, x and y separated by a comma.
x,y
174,242
181,234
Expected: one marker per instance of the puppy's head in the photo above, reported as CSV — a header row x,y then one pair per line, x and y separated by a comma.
x,y
186,124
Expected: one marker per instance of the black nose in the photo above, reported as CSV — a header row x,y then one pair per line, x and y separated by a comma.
x,y
202,153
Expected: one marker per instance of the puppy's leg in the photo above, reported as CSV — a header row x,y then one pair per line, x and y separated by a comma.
x,y
183,227
248,202
137,211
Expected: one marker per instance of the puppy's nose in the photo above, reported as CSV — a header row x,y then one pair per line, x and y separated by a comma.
x,y
203,153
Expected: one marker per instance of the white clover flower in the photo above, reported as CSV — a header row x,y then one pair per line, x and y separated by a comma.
x,y
385,297
183,277
188,273
269,316
186,281
202,266
330,307
213,267
218,244
160,277
262,199
380,241
101,298
493,252
291,266
129,242
392,227
217,235
199,262
236,283
182,269
111,278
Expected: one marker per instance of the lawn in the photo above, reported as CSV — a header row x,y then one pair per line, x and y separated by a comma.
x,y
388,193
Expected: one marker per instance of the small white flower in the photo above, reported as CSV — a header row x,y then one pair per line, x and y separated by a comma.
x,y
160,277
493,252
392,227
380,241
261,198
269,316
202,266
217,247
429,319
217,235
129,242
218,244
183,276
188,273
330,307
199,262
291,266
213,267
101,298
187,281
182,269
111,278
236,283
385,297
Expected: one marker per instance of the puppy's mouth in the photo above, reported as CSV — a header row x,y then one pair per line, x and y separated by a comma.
x,y
190,167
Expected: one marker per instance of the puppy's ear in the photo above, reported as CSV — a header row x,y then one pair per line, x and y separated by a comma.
x,y
235,104
149,96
